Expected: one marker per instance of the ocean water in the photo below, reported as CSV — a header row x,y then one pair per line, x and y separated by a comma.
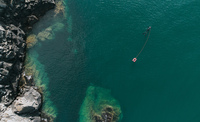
x,y
95,48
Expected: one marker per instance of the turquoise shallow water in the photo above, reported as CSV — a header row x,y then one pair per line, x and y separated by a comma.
x,y
162,86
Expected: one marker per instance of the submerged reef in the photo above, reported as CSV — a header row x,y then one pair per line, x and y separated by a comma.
x,y
99,106
31,40
46,34
60,8
19,101
35,70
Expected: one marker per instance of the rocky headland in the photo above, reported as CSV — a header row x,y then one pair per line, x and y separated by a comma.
x,y
18,102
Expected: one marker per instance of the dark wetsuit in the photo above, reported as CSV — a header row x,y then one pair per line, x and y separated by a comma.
x,y
145,33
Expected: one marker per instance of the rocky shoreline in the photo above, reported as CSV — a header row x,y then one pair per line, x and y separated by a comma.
x,y
18,102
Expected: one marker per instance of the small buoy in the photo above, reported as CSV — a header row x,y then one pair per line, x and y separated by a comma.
x,y
134,59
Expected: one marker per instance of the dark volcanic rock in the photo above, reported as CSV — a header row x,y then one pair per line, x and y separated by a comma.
x,y
12,55
16,19
24,13
108,115
2,6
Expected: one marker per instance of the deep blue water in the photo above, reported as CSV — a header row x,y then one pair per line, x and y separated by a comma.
x,y
162,86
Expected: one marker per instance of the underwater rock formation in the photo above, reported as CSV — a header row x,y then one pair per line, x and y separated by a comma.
x,y
99,106
34,74
108,114
46,34
60,8
16,19
31,40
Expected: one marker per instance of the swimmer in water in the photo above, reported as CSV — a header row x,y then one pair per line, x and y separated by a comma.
x,y
145,33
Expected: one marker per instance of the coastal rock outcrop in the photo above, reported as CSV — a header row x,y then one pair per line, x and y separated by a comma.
x,y
7,115
23,109
16,19
12,55
24,13
29,102
2,6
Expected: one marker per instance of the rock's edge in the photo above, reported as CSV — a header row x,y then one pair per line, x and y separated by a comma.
x,y
16,20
